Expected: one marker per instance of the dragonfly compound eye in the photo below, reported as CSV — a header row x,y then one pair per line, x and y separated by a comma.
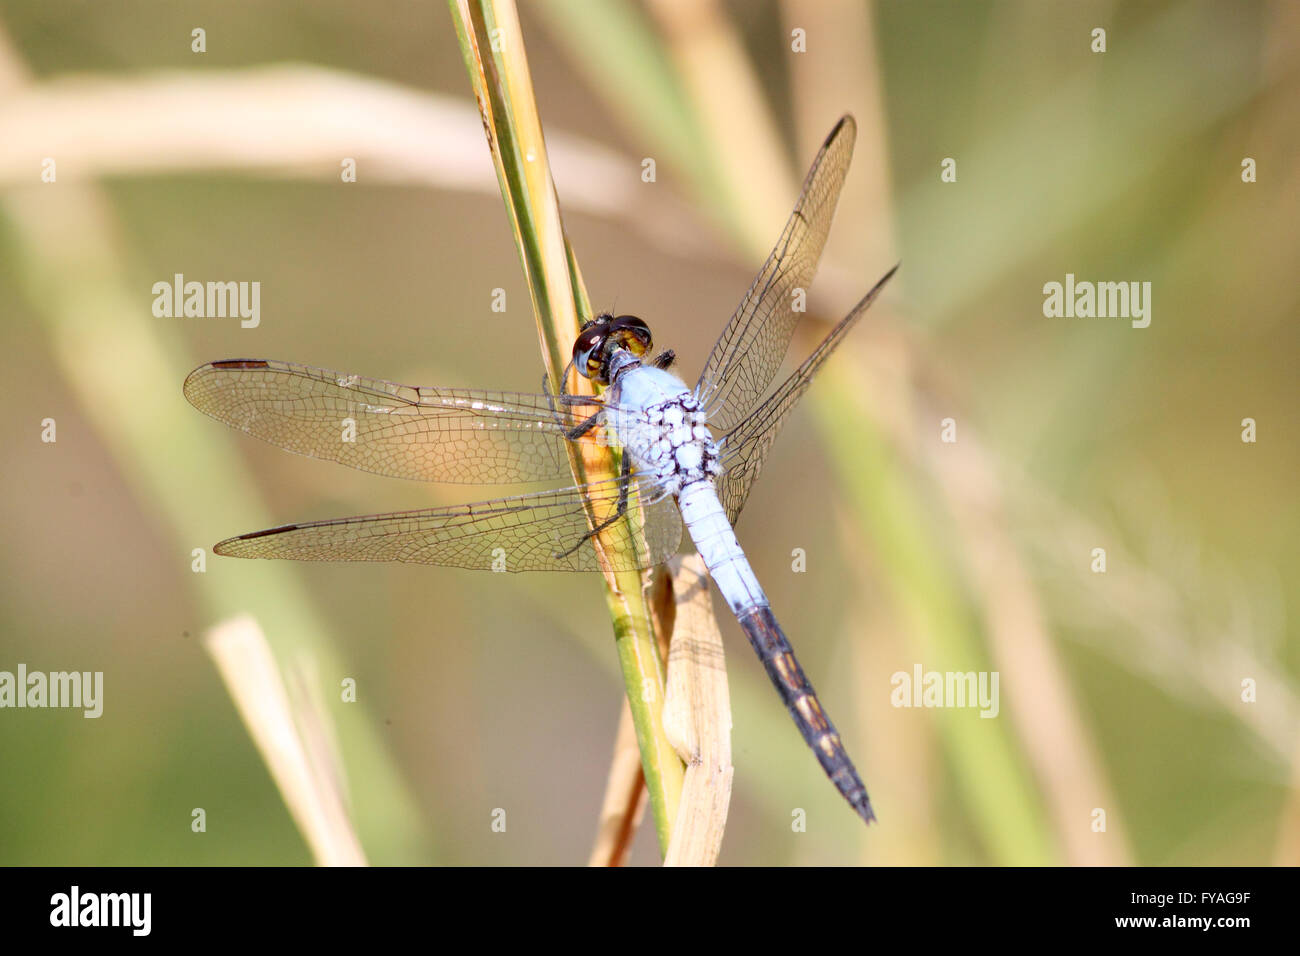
x,y
589,347
631,333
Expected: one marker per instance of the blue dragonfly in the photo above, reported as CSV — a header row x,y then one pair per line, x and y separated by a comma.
x,y
674,471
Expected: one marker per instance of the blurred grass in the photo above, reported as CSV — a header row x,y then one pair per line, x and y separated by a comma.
x,y
940,619
118,366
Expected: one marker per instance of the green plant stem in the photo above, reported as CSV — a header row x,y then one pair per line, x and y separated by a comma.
x,y
492,45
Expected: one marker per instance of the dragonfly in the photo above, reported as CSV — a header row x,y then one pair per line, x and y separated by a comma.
x,y
673,471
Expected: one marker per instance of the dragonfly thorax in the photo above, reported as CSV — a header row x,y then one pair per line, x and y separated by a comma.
x,y
659,423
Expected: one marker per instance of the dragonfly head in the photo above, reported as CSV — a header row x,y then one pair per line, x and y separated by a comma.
x,y
602,337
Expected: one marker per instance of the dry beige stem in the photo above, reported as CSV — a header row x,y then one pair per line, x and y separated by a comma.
x,y
697,719
294,740
625,798
301,122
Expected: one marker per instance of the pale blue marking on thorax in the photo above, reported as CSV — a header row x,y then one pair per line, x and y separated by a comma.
x,y
658,422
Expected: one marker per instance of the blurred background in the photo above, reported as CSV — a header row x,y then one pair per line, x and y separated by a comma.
x,y
1120,691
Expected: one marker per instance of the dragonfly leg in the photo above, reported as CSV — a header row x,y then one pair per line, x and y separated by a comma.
x,y
577,431
566,397
618,512
664,359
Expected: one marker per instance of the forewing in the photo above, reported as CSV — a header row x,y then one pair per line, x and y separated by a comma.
x,y
745,448
536,532
403,431
751,347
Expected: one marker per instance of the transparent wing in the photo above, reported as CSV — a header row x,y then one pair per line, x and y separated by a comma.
x,y
403,431
535,532
751,347
745,447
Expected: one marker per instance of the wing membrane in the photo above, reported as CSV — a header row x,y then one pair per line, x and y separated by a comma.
x,y
535,532
403,431
745,448
751,347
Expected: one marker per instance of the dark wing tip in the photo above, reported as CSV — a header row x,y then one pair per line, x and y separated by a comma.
x,y
875,289
222,365
230,547
845,121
